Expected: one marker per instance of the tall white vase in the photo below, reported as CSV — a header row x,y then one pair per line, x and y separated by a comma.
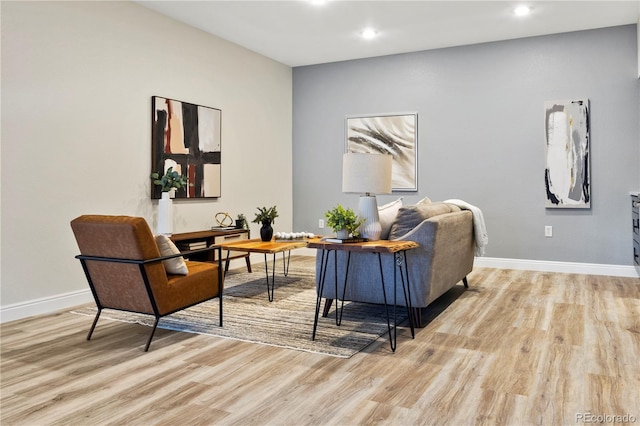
x,y
165,214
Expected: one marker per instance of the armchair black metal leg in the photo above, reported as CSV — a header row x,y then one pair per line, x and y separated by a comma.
x,y
93,326
465,282
155,325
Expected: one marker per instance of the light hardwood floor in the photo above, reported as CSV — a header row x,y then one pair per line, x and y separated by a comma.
x,y
516,348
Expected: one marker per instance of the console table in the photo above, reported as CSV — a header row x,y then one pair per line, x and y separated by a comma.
x,y
394,248
193,240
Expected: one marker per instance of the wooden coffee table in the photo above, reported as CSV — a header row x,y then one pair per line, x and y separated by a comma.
x,y
268,247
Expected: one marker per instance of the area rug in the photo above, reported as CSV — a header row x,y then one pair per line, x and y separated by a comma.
x,y
286,322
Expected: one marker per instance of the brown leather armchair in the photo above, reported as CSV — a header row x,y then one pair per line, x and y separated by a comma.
x,y
124,268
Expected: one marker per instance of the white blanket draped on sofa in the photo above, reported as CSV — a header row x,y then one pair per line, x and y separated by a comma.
x,y
479,227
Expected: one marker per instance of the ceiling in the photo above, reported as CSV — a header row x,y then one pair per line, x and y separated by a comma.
x,y
298,32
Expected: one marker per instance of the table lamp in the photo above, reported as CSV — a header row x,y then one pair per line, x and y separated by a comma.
x,y
369,174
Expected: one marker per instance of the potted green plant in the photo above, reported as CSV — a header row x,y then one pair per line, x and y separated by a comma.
x,y
243,223
240,219
344,222
266,216
171,180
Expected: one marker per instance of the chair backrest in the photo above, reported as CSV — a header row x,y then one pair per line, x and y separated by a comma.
x,y
119,285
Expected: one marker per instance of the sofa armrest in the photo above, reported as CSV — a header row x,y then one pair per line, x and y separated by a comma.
x,y
446,252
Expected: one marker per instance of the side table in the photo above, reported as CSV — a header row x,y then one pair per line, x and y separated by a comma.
x,y
397,249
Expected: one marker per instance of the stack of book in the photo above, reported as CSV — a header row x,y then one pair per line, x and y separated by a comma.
x,y
345,240
194,245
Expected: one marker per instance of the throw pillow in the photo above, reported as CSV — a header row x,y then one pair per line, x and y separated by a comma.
x,y
387,215
425,200
411,216
176,265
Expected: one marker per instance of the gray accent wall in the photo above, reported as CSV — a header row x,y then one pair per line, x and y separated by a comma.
x,y
481,136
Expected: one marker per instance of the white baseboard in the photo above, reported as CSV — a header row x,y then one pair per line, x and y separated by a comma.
x,y
45,305
56,303
560,267
539,265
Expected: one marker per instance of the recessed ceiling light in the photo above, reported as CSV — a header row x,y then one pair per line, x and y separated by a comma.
x,y
319,2
522,10
369,33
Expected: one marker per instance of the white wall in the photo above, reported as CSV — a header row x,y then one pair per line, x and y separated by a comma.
x,y
77,82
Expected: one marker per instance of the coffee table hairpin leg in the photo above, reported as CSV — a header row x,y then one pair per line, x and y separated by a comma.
x,y
286,259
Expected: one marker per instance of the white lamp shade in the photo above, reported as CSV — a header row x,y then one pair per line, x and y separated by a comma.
x,y
366,173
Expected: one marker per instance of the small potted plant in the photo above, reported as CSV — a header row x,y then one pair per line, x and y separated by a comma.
x,y
344,222
241,221
266,216
170,181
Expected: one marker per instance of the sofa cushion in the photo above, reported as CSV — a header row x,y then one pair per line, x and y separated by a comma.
x,y
167,248
387,215
409,217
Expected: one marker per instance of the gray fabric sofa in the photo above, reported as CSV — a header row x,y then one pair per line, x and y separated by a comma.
x,y
445,256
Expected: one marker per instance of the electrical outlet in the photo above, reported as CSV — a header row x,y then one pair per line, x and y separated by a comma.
x,y
321,223
548,231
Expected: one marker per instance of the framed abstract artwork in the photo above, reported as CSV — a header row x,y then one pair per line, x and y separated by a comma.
x,y
395,134
567,174
187,137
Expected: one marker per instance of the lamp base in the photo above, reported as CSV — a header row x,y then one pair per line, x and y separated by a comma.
x,y
368,210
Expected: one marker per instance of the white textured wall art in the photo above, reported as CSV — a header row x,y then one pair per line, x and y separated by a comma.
x,y
395,134
567,173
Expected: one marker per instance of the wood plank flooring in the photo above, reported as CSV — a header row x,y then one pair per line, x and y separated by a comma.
x,y
516,348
